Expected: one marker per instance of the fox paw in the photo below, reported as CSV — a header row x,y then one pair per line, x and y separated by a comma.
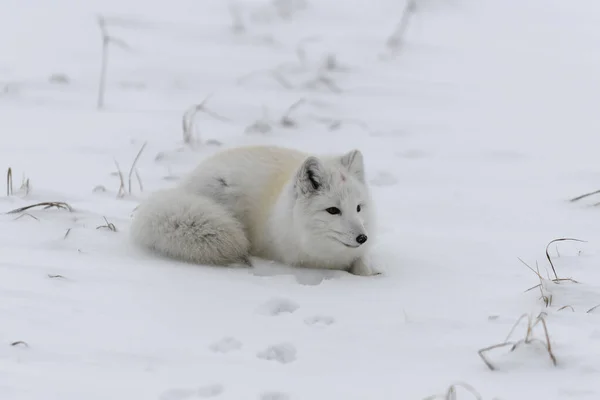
x,y
360,268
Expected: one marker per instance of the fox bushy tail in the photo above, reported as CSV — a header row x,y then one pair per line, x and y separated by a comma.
x,y
191,228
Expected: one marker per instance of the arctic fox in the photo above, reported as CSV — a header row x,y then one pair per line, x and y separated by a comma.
x,y
265,201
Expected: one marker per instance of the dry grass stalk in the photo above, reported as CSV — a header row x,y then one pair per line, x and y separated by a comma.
x,y
286,120
26,214
56,276
9,182
545,298
25,185
323,81
139,179
395,39
46,205
109,225
559,240
67,233
565,307
107,39
189,119
135,160
121,191
583,196
592,309
528,339
19,343
451,392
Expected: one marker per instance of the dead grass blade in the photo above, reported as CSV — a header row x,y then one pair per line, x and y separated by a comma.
x,y
545,298
396,37
46,205
19,343
189,117
286,120
559,240
109,225
135,162
451,392
26,214
592,309
565,307
67,233
9,182
528,339
583,196
121,191
139,179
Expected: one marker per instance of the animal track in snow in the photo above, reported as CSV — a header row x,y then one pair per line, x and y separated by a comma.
x,y
319,320
186,394
284,353
226,345
274,396
278,306
177,394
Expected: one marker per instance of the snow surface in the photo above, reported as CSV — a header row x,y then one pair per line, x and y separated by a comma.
x,y
476,132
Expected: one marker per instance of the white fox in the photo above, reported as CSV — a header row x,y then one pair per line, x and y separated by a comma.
x,y
265,201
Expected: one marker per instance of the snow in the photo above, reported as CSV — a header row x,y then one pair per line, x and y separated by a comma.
x,y
476,133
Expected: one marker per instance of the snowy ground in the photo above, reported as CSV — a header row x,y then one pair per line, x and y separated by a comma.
x,y
479,129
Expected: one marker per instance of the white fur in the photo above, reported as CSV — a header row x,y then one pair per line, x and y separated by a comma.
x,y
264,201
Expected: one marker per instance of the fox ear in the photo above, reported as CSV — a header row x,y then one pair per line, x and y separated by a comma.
x,y
353,161
311,176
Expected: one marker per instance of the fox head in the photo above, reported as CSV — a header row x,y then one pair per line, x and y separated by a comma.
x,y
332,209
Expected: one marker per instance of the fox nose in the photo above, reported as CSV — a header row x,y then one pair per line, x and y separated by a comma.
x,y
361,239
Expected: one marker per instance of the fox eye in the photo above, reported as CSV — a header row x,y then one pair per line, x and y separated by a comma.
x,y
358,208
333,210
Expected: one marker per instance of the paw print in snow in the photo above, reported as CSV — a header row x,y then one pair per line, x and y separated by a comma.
x,y
319,320
284,353
278,306
177,394
226,345
274,396
187,394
